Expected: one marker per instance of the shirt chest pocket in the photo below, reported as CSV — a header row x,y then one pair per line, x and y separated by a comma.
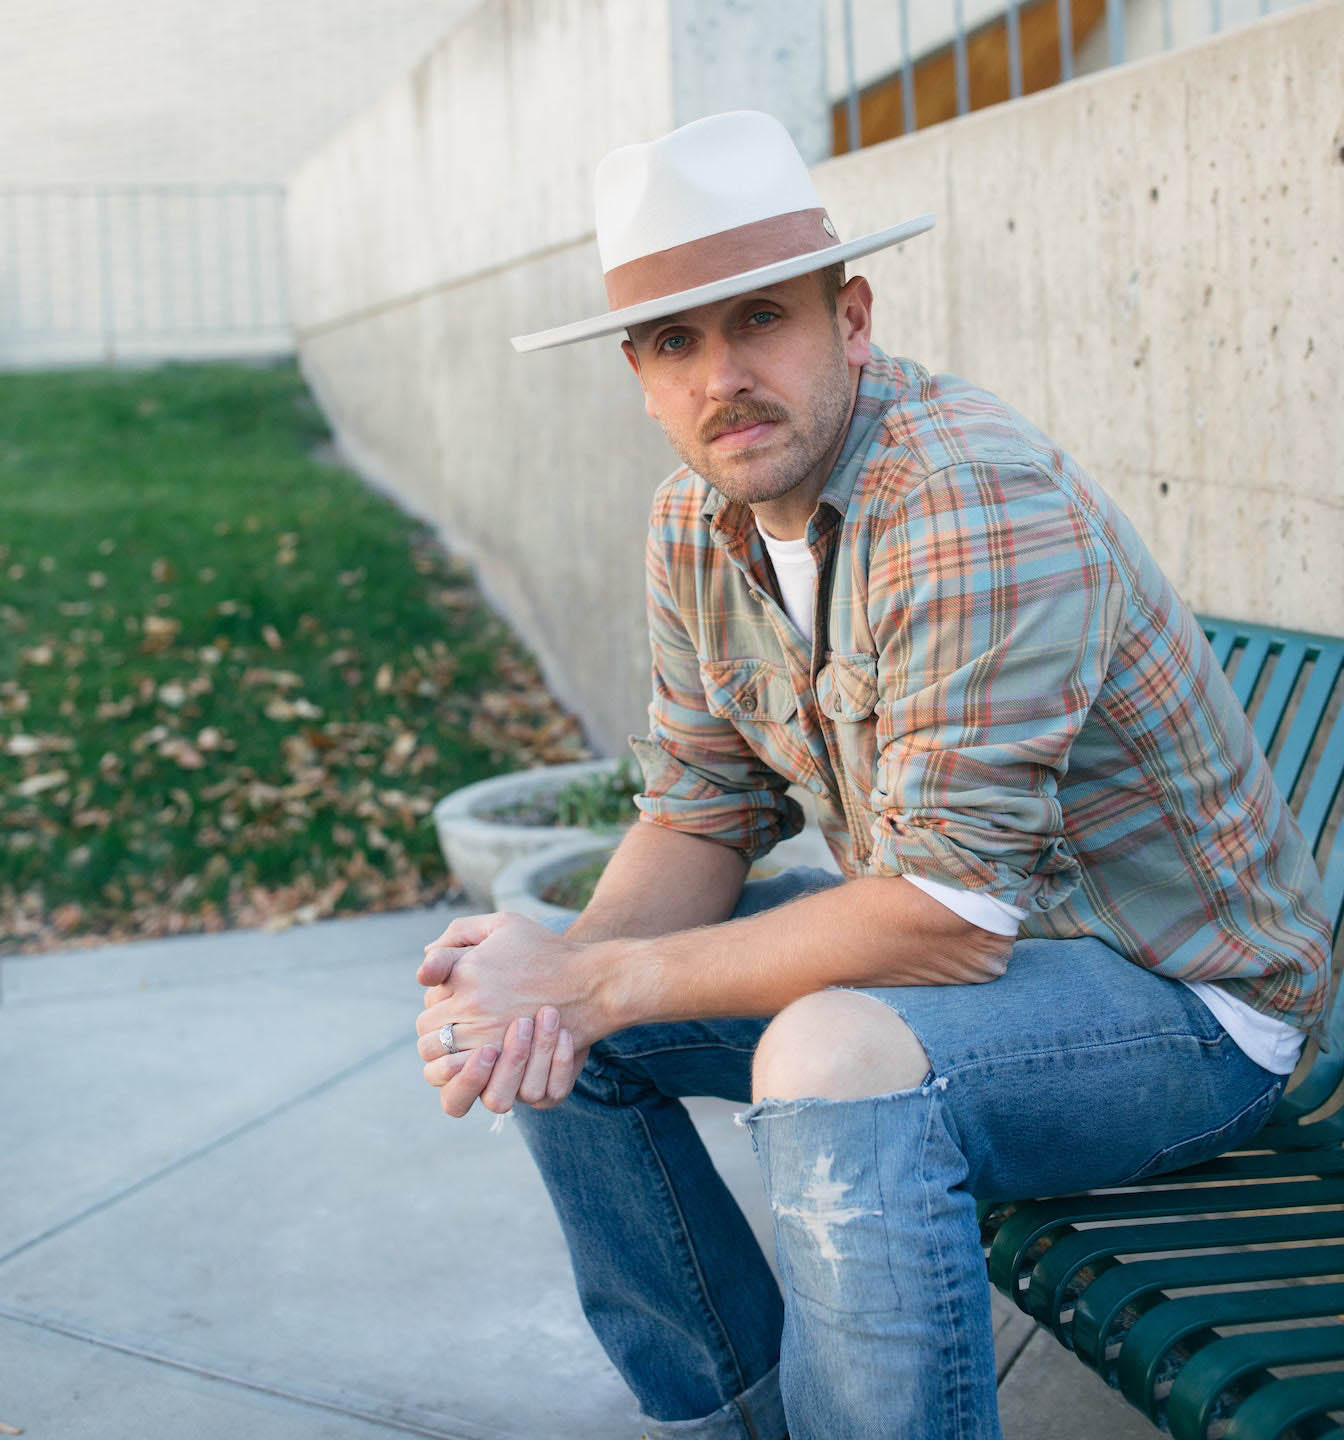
x,y
753,692
847,697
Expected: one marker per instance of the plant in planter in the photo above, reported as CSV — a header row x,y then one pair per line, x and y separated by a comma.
x,y
483,827
601,800
548,885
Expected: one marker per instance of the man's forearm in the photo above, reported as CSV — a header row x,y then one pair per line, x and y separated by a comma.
x,y
871,931
660,881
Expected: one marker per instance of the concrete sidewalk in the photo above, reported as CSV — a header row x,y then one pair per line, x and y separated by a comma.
x,y
229,1206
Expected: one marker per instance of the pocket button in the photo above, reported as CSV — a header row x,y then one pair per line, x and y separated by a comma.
x,y
748,703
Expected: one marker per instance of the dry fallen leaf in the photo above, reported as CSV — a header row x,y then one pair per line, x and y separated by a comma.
x,y
181,749
159,631
399,752
297,709
280,679
67,917
39,784
23,745
13,699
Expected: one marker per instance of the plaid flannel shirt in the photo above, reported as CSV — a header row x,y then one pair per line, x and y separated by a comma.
x,y
1003,693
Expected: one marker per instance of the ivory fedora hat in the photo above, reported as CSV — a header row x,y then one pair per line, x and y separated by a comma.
x,y
719,207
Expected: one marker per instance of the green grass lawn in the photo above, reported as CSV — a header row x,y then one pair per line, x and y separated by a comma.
x,y
233,679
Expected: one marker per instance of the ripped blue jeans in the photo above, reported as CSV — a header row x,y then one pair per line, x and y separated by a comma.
x,y
1075,1069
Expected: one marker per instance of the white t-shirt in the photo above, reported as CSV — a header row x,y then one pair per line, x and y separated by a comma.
x,y
1273,1044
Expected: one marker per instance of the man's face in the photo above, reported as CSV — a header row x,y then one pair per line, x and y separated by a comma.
x,y
754,393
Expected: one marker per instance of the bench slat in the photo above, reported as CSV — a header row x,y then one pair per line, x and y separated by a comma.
x,y
1286,1402
1292,758
1237,1358
1315,807
1125,1286
1144,1350
1026,1227
1057,1271
1222,636
1269,713
1249,665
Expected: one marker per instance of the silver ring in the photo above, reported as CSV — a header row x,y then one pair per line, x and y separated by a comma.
x,y
446,1040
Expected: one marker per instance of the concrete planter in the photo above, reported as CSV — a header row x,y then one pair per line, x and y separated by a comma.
x,y
519,885
477,847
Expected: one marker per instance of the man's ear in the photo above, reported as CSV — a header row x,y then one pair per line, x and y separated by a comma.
x,y
628,347
854,315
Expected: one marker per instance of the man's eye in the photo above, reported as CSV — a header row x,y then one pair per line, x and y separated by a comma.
x,y
673,343
762,317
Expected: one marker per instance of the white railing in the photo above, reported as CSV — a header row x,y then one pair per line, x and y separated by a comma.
x,y
106,272
888,49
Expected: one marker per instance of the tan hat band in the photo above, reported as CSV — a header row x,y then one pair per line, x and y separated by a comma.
x,y
716,257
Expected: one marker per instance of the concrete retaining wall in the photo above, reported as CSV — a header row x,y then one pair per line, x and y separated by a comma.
x,y
1148,262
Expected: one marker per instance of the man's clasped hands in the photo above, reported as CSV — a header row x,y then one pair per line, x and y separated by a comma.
x,y
523,1005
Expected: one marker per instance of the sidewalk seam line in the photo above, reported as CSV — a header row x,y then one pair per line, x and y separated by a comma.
x,y
206,1372
159,987
1016,1354
191,1156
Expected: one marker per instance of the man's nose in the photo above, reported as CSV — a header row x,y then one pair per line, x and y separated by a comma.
x,y
726,374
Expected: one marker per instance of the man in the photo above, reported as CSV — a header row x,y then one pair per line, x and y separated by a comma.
x,y
1079,937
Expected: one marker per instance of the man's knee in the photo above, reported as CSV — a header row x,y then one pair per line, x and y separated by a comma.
x,y
838,1045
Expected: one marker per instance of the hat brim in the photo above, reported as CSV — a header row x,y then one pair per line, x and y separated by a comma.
x,y
616,320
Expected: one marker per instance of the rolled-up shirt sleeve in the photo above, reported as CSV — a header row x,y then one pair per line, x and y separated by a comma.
x,y
700,775
993,601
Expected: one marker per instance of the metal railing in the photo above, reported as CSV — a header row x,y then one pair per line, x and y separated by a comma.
x,y
105,271
1199,19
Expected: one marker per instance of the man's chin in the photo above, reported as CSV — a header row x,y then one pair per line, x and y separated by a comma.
x,y
751,494
737,482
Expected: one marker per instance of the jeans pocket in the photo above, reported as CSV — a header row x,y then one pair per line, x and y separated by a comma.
x,y
1210,1143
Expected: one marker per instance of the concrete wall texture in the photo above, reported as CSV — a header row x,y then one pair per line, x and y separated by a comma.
x,y
1148,262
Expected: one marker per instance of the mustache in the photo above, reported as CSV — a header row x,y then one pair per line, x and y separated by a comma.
x,y
738,415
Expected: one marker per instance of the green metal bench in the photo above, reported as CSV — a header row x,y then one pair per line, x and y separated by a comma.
x,y
1213,1297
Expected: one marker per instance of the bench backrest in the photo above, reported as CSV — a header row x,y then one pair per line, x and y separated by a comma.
x,y
1290,685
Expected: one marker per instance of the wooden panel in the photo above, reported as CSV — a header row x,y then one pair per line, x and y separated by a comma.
x,y
881,105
